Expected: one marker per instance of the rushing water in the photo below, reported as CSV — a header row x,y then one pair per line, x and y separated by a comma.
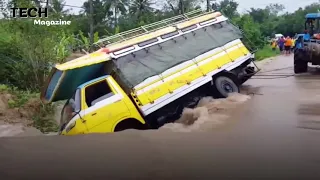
x,y
209,114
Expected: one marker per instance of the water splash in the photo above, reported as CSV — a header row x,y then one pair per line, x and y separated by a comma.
x,y
209,114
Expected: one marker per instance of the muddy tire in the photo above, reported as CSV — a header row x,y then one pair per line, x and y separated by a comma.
x,y
300,65
224,84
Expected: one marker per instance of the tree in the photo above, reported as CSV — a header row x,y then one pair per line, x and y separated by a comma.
x,y
57,6
140,8
116,6
100,17
228,8
259,15
253,37
291,23
275,9
182,6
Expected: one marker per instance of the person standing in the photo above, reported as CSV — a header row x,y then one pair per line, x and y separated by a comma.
x,y
299,41
306,35
293,44
281,42
274,44
287,45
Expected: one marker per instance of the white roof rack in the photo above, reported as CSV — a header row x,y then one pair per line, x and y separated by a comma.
x,y
123,36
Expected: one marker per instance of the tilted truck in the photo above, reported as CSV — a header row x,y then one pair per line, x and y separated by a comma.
x,y
146,79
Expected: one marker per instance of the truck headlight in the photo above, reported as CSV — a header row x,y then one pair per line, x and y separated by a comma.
x,y
70,126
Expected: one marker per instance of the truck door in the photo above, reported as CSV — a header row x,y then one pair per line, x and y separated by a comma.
x,y
104,105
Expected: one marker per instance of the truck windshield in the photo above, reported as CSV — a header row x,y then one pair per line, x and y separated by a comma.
x,y
312,26
70,109
140,65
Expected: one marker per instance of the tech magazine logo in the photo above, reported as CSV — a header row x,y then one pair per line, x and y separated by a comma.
x,y
36,13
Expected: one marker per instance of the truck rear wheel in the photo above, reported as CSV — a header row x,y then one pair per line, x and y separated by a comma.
x,y
224,84
300,66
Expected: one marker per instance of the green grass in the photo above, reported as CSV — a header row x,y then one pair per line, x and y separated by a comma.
x,y
266,52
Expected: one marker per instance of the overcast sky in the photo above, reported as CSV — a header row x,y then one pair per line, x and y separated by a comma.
x,y
291,5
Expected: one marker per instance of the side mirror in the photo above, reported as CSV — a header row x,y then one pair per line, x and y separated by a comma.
x,y
72,103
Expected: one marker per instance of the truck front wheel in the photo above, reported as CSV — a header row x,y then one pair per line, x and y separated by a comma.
x,y
224,84
129,124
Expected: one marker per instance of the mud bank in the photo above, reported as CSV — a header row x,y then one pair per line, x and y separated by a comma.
x,y
20,118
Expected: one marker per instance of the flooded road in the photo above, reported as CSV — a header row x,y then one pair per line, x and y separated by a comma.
x,y
274,135
286,103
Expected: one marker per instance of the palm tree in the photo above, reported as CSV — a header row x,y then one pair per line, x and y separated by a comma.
x,y
182,6
140,7
57,6
117,6
100,12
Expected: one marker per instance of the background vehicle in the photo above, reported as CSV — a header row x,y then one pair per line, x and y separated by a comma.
x,y
309,48
277,36
147,78
297,36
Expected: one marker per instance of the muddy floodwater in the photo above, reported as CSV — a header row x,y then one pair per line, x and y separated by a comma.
x,y
209,115
274,98
270,131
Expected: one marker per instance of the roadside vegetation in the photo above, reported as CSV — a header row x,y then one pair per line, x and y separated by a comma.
x,y
22,106
266,52
27,51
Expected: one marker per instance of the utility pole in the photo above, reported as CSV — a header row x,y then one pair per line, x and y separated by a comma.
x,y
181,6
208,5
91,24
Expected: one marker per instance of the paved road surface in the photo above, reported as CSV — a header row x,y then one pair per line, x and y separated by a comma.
x,y
274,136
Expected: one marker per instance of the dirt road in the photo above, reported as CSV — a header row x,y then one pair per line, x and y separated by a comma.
x,y
274,135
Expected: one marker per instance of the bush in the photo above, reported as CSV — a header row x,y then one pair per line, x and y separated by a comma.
x,y
266,52
27,53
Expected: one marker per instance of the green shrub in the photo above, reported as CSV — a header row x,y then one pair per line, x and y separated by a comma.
x,y
266,52
44,119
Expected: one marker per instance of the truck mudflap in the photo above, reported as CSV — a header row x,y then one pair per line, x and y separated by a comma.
x,y
65,78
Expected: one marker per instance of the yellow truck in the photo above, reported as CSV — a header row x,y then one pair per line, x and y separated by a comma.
x,y
144,79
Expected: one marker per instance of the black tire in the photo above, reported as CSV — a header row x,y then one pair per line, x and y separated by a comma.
x,y
224,84
300,65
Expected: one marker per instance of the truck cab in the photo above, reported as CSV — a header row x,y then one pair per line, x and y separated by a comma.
x,y
311,29
97,106
312,23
